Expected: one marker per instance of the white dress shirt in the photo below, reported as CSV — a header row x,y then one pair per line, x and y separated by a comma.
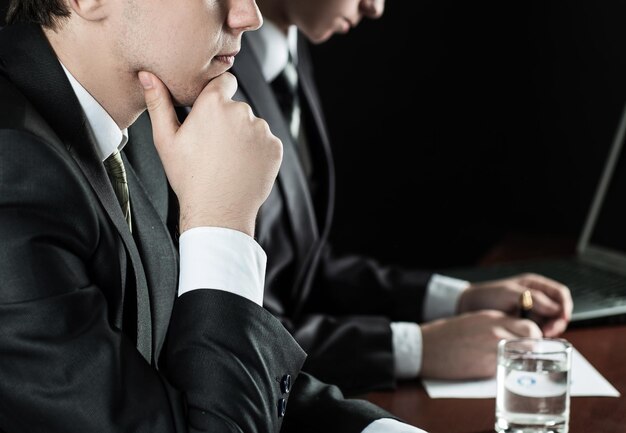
x,y
210,257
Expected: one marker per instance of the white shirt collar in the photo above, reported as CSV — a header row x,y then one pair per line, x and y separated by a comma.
x,y
106,132
272,48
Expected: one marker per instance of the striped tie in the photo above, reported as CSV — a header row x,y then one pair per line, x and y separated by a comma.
x,y
115,168
285,87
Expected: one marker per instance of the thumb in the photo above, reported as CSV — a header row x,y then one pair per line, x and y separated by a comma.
x,y
159,103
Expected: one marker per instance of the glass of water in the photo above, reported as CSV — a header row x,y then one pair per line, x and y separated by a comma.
x,y
533,385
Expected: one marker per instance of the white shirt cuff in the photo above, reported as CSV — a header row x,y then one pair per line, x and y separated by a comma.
x,y
388,425
442,296
222,259
406,340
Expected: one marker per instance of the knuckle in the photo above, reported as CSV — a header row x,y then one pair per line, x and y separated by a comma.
x,y
229,78
279,149
531,329
497,333
153,104
492,314
245,111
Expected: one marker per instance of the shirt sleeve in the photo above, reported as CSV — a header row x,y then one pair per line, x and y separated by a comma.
x,y
442,296
406,342
388,425
222,259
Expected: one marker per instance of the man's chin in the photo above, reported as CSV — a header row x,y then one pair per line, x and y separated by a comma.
x,y
184,100
185,96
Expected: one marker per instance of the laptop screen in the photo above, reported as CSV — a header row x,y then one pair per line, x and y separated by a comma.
x,y
609,230
603,240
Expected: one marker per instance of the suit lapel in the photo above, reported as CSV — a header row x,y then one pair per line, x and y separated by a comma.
x,y
94,171
53,97
291,177
309,91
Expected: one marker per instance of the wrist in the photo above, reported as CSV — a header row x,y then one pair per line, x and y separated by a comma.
x,y
464,303
189,220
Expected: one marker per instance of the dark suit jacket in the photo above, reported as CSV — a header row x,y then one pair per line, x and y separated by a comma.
x,y
92,335
338,308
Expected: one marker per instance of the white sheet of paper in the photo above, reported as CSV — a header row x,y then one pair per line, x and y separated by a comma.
x,y
586,381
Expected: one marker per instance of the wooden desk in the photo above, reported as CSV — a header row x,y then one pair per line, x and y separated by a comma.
x,y
604,347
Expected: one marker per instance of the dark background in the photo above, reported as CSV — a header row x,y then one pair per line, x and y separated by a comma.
x,y
488,117
455,123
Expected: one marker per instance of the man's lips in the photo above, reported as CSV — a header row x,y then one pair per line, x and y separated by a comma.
x,y
228,58
352,23
345,25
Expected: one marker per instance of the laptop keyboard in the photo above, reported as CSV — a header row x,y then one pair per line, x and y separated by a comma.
x,y
589,283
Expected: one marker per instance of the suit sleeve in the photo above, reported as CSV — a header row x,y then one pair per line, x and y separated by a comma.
x,y
360,285
227,387
352,352
319,407
65,368
345,325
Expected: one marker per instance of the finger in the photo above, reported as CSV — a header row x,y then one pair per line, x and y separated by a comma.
x,y
225,85
548,311
545,306
159,103
554,327
522,327
555,290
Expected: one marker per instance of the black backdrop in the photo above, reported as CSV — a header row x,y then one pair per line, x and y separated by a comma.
x,y
3,7
505,110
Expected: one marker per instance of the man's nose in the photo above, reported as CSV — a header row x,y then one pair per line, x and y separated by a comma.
x,y
372,8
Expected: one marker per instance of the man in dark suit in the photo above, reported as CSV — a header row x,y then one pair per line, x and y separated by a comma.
x,y
357,319
126,305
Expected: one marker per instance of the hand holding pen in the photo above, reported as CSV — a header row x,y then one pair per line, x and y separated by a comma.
x,y
543,300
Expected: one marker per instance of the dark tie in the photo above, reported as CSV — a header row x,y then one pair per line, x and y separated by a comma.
x,y
285,87
117,173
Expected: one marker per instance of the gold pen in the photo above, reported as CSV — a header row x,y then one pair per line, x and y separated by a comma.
x,y
526,304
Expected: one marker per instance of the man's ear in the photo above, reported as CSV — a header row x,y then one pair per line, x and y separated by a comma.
x,y
90,10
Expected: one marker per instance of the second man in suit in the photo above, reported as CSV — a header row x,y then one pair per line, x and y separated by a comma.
x,y
364,325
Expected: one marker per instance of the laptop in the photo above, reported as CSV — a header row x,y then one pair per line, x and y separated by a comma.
x,y
596,274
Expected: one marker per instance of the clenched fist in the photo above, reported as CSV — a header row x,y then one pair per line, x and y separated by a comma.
x,y
221,162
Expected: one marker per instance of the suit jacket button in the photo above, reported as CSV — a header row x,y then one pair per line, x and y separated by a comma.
x,y
285,384
282,407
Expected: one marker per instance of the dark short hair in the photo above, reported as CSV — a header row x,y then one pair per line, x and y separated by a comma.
x,y
43,12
